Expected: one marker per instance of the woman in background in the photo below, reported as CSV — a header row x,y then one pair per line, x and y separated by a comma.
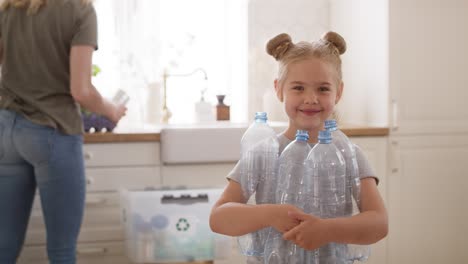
x,y
46,52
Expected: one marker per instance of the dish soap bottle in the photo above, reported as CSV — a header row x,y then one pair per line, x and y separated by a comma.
x,y
203,110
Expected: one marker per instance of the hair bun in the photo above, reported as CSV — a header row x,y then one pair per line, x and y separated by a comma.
x,y
336,39
278,45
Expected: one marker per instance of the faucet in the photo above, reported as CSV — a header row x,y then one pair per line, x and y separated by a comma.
x,y
166,113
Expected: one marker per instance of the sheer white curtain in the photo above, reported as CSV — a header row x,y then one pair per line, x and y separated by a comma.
x,y
139,39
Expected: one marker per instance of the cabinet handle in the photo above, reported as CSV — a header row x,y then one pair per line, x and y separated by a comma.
x,y
91,251
95,201
88,155
394,156
89,180
394,114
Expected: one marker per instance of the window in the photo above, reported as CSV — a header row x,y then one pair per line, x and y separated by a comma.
x,y
140,39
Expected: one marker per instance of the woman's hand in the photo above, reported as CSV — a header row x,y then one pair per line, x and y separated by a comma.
x,y
310,233
83,91
118,111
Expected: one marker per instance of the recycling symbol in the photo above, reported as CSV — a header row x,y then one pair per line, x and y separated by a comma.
x,y
182,225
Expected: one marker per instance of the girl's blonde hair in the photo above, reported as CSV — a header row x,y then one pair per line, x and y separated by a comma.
x,y
329,48
32,5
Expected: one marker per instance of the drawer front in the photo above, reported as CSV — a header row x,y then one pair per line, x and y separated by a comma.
x,y
92,253
93,202
36,237
101,221
121,154
114,179
196,176
87,253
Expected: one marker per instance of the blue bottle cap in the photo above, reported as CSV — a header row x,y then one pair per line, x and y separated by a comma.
x,y
330,124
261,117
302,135
324,137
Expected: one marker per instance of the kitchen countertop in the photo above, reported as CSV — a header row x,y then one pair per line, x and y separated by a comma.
x,y
153,133
122,137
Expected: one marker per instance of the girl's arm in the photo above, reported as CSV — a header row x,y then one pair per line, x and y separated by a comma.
x,y
367,227
231,216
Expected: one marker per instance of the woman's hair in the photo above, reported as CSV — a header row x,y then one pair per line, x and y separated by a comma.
x,y
328,48
32,5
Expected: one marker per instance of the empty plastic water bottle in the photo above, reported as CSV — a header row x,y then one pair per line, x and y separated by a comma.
x,y
353,185
258,167
142,244
289,191
326,188
121,97
353,182
357,253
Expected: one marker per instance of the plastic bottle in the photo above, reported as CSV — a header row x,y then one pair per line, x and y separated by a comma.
x,y
357,253
353,182
142,245
353,185
326,188
258,166
289,191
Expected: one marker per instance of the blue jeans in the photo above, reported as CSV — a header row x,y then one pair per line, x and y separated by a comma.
x,y
33,156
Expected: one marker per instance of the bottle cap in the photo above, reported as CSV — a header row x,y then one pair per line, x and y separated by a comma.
x,y
261,117
302,135
324,136
330,124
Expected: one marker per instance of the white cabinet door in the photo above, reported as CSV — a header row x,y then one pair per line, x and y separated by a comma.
x,y
375,149
428,200
427,69
121,154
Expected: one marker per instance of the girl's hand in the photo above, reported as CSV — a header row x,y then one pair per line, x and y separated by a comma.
x,y
310,234
281,220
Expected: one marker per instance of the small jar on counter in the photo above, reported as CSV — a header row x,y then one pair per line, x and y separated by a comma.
x,y
222,110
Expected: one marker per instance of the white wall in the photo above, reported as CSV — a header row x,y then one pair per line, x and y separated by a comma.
x,y
364,25
303,20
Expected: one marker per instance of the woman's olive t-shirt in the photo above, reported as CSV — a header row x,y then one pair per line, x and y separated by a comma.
x,y
35,78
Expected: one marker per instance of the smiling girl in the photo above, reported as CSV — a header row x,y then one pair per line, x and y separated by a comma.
x,y
309,83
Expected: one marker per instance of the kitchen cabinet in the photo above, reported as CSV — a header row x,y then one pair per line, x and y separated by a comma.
x,y
428,140
428,201
427,75
376,150
413,54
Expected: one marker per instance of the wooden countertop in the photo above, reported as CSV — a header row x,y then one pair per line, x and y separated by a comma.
x,y
153,134
121,137
365,131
